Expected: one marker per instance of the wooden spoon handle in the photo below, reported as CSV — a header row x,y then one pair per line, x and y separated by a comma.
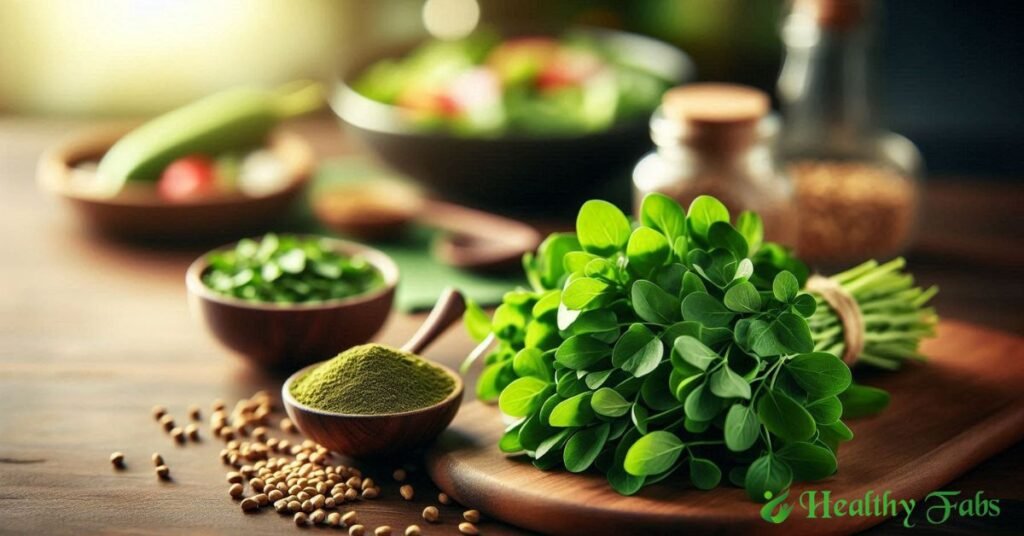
x,y
449,307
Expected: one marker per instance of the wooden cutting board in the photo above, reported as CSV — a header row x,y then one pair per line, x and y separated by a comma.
x,y
947,415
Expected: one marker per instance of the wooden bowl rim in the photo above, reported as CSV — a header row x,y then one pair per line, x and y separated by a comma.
x,y
452,397
380,260
57,162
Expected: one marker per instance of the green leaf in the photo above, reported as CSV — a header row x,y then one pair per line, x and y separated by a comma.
x,y
647,249
581,352
694,352
826,410
749,225
531,362
550,257
595,321
509,442
767,474
620,480
804,304
493,379
704,211
571,412
542,335
692,284
792,332
292,262
653,304
821,374
477,323
761,339
583,447
707,310
576,261
609,402
638,415
523,396
704,473
725,383
663,213
553,443
583,292
656,392
784,416
602,228
547,306
653,453
863,401
596,379
808,461
742,428
638,351
743,298
722,235
701,404
785,287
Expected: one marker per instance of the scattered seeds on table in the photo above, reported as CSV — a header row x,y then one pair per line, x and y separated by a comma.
x,y
261,499
301,519
281,506
412,530
163,472
382,531
249,505
468,528
288,426
351,494
473,516
194,413
334,519
192,431
431,514
167,422
407,492
234,477
317,517
117,460
356,530
157,459
329,502
236,490
159,412
294,506
217,405
444,499
307,506
399,475
370,493
367,483
275,495
350,518
257,484
178,434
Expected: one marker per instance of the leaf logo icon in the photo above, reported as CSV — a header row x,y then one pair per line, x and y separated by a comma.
x,y
784,509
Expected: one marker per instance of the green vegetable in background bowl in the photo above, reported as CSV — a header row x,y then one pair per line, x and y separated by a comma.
x,y
481,86
288,269
685,345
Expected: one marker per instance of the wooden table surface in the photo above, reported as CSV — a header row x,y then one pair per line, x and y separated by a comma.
x,y
94,333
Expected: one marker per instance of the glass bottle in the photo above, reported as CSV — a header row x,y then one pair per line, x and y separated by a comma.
x,y
718,139
856,184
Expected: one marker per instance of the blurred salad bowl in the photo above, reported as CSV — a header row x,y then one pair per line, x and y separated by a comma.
x,y
523,123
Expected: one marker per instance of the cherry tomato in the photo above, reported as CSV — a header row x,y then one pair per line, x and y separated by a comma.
x,y
188,178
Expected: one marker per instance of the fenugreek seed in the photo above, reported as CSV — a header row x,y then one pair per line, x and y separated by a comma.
x,y
117,460
158,412
350,518
163,472
261,499
399,475
431,514
367,483
322,487
236,490
294,506
443,498
412,530
354,482
382,531
301,519
351,494
288,426
339,498
407,492
469,529
194,413
178,434
310,490
356,530
307,506
294,490
473,516
370,493
167,422
303,496
192,431
259,433
249,504
281,506
227,434
218,405
234,477
318,501
334,519
257,484
317,517
275,495
157,459
329,502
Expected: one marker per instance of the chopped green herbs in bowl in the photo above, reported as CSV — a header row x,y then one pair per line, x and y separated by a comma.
x,y
289,269
284,301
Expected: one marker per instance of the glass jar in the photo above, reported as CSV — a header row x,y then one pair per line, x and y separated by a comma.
x,y
718,139
857,185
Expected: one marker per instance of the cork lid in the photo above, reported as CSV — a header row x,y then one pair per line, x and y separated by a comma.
x,y
715,105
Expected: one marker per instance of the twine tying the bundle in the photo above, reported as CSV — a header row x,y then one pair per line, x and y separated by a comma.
x,y
848,311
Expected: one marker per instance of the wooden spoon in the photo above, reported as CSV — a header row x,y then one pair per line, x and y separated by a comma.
x,y
374,436
474,239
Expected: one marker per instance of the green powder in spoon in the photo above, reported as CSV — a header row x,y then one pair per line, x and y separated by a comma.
x,y
373,379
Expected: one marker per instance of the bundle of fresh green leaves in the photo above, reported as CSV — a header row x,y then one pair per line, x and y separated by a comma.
x,y
683,345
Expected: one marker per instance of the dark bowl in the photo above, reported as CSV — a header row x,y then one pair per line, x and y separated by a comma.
x,y
285,337
514,173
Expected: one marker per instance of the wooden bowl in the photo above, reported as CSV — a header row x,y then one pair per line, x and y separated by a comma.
x,y
373,436
139,213
288,336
